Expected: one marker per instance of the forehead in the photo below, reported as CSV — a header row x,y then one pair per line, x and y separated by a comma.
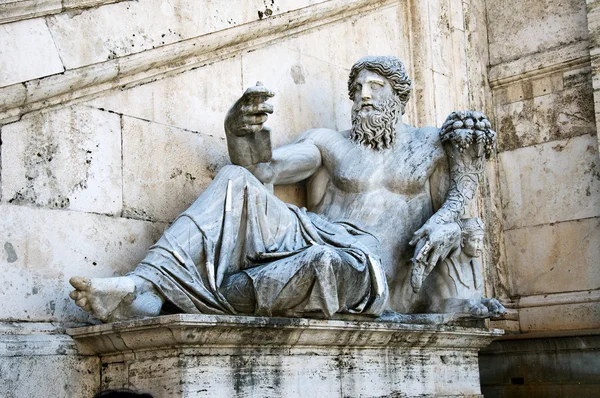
x,y
475,235
366,75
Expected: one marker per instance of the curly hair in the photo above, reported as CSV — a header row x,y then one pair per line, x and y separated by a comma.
x,y
389,67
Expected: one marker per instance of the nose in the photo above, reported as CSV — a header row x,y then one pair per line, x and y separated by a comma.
x,y
366,93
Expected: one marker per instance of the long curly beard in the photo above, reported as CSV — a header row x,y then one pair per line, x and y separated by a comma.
x,y
377,128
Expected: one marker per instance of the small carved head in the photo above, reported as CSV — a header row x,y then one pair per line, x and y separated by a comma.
x,y
388,67
472,236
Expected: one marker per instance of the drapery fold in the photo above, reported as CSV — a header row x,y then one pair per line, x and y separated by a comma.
x,y
286,261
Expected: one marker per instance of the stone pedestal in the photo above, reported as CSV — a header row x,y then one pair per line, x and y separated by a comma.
x,y
229,356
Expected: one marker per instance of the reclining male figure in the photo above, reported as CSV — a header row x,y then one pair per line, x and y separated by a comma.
x,y
240,250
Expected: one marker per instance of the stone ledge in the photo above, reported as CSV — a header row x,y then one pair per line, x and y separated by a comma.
x,y
88,82
240,331
26,9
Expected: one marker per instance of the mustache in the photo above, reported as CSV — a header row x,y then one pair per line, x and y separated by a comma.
x,y
379,106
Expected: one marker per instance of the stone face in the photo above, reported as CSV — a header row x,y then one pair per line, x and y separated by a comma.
x,y
21,45
155,190
531,177
557,259
194,355
535,26
42,248
70,158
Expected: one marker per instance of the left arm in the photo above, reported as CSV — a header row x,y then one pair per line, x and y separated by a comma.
x,y
468,141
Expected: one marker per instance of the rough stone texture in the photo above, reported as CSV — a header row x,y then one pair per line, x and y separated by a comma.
x,y
196,355
132,27
541,367
36,361
530,176
557,260
518,28
196,100
42,248
549,108
20,44
159,191
70,158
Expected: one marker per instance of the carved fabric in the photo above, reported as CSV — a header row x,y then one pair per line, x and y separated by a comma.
x,y
297,261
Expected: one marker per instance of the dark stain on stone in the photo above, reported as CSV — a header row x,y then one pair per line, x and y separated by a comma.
x,y
260,14
298,74
11,255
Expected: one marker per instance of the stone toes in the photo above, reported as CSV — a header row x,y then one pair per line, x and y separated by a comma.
x,y
82,302
75,295
80,283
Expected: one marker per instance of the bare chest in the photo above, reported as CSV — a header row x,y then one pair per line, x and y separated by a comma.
x,y
403,169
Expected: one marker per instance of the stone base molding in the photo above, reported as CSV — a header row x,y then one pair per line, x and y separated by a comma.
x,y
226,356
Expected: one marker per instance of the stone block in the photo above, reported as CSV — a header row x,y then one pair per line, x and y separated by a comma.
x,y
224,356
165,169
69,158
551,182
42,249
563,317
535,26
196,100
27,52
541,367
554,258
306,91
38,359
125,28
533,120
60,376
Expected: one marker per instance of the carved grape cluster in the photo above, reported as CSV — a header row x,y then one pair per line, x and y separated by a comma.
x,y
466,128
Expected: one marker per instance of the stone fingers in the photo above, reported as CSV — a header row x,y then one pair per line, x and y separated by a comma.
x,y
80,283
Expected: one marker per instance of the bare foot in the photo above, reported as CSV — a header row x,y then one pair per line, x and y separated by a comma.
x,y
494,307
115,299
479,310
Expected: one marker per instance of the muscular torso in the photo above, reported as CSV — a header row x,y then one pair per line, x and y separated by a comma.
x,y
386,192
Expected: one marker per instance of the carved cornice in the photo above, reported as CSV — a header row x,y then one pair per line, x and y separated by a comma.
x,y
547,300
536,65
188,330
12,11
90,81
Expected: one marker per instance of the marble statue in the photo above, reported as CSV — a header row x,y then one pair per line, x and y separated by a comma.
x,y
455,285
240,250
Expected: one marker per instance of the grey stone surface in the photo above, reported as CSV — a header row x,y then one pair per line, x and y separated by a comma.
x,y
66,159
239,249
542,367
20,41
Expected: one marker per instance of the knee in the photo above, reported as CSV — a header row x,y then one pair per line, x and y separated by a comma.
x,y
233,172
324,255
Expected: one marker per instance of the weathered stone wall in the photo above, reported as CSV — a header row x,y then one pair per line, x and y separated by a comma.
x,y
549,169
111,119
544,80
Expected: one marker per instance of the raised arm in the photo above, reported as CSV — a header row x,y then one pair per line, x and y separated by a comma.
x,y
468,141
249,142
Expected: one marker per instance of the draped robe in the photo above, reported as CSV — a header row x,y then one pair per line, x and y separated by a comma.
x,y
239,249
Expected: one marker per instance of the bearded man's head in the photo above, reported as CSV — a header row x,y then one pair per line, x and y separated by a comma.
x,y
374,120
